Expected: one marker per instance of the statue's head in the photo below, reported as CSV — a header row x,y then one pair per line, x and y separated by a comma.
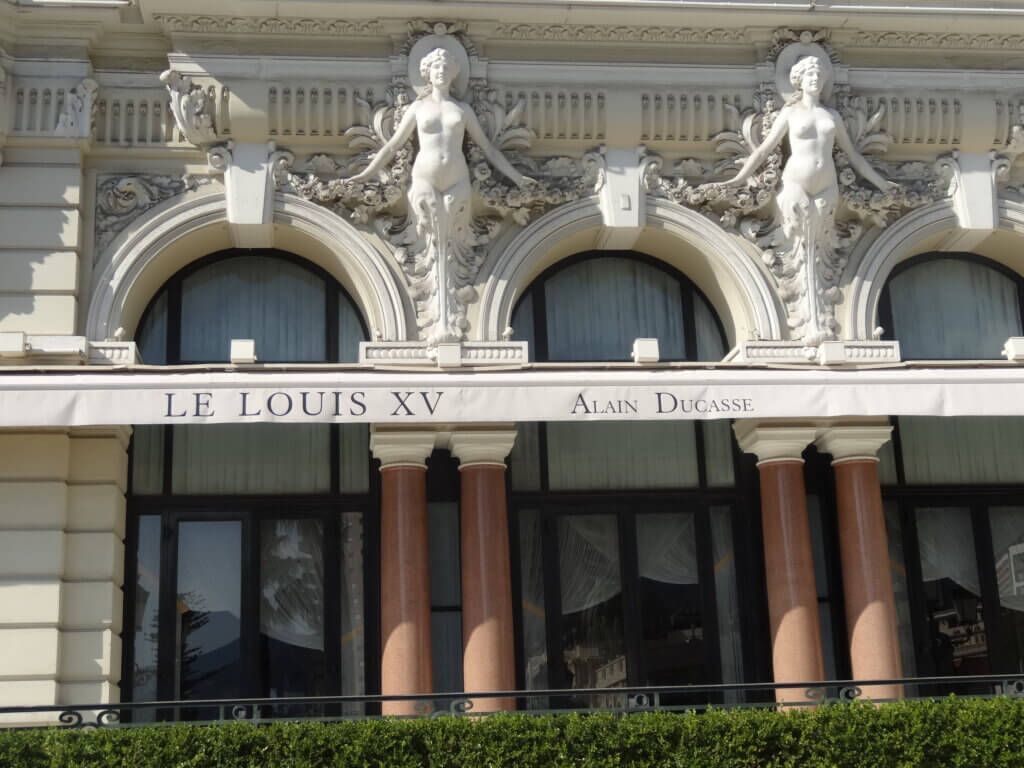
x,y
439,67
808,76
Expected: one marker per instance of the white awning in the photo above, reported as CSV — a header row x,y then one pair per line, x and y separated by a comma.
x,y
200,397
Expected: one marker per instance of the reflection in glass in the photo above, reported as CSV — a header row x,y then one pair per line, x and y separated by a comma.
x,y
674,645
292,608
535,649
897,562
353,658
957,637
730,639
593,645
208,621
619,455
1008,551
147,599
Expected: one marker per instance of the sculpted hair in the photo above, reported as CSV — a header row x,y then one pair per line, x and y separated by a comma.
x,y
436,55
798,70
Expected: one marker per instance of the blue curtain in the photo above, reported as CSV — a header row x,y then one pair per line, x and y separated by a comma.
x,y
949,309
276,302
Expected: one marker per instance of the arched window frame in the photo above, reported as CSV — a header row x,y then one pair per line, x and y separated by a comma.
x,y
334,294
328,508
702,500
689,293
904,502
885,316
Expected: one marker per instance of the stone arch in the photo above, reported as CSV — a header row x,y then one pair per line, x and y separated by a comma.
x,y
925,230
181,230
718,263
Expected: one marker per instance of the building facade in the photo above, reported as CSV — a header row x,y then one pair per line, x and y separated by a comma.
x,y
399,348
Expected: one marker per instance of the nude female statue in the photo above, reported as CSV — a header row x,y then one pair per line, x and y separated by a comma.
x,y
439,172
440,194
809,191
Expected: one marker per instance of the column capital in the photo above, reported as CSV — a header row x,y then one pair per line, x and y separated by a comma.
x,y
853,442
782,441
402,448
482,447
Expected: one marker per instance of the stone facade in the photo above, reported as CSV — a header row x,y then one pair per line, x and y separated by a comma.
x,y
140,135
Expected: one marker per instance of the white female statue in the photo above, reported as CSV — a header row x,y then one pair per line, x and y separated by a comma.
x,y
440,194
809,189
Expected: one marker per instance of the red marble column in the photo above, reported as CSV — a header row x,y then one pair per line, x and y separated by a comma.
x,y
788,557
864,550
406,662
487,629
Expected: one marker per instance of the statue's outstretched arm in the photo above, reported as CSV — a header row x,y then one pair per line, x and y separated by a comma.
x,y
385,153
491,152
759,155
857,160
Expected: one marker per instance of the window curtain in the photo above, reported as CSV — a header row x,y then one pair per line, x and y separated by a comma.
x,y
588,549
531,558
152,334
279,304
946,309
350,331
897,562
962,449
353,656
596,308
667,548
726,597
946,542
618,455
588,560
251,458
292,582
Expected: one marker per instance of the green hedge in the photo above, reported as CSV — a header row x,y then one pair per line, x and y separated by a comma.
x,y
923,734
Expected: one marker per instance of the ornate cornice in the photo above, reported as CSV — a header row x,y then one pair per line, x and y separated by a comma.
x,y
617,33
269,25
936,40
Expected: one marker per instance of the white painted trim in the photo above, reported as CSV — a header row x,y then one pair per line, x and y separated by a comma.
x,y
750,298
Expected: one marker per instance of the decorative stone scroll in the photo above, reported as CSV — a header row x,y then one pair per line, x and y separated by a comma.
x,y
120,199
435,202
804,211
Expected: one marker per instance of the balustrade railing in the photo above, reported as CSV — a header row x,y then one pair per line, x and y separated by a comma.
x,y
624,701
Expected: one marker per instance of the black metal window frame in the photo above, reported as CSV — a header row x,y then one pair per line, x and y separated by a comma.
x,y
250,510
742,499
976,498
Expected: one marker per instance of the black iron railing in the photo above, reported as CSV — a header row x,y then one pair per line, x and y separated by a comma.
x,y
625,700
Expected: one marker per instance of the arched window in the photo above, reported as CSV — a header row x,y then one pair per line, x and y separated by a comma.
x,y
625,528
952,307
245,572
954,487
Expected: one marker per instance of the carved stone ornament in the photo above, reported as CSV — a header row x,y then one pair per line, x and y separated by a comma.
x,y
120,199
282,25
428,185
78,112
807,210
192,108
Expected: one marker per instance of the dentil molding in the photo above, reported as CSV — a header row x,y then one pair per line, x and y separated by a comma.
x,y
618,33
268,25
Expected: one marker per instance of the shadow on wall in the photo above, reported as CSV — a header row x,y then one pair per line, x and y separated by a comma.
x,y
38,270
